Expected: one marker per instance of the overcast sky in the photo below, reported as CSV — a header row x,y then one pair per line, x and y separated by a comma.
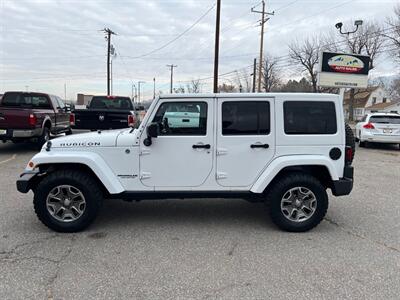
x,y
46,44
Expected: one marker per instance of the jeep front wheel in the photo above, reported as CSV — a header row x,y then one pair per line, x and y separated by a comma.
x,y
67,201
298,202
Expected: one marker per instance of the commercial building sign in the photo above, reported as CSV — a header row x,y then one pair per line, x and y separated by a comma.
x,y
343,70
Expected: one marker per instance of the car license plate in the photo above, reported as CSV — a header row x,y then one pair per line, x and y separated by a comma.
x,y
388,131
3,131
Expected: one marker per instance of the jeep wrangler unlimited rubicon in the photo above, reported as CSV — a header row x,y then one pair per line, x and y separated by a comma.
x,y
282,149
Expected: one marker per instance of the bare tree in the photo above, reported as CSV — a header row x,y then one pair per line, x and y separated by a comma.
x,y
271,79
393,35
194,87
243,81
368,41
226,88
306,55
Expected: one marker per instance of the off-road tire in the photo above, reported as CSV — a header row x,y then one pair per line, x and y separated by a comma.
x,y
43,138
82,181
350,140
285,183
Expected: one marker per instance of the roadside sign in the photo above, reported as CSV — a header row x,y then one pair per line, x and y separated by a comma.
x,y
343,70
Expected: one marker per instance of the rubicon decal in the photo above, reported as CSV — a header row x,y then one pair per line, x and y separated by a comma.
x,y
81,144
346,64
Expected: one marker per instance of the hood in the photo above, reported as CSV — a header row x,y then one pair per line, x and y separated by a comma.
x,y
106,138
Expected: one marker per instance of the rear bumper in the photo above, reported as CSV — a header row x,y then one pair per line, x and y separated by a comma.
x,y
24,182
381,138
344,185
21,134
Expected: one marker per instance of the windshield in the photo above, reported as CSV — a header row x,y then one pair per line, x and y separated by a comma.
x,y
103,102
385,119
26,100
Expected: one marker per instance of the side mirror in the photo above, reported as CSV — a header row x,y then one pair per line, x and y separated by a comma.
x,y
152,132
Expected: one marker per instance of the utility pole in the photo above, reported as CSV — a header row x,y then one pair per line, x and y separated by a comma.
x,y
134,94
154,88
108,33
254,75
172,76
139,83
216,52
263,21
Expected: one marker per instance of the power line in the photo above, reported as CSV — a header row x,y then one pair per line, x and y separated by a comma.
x,y
180,35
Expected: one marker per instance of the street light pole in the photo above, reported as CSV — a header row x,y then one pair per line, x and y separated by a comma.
x,y
139,83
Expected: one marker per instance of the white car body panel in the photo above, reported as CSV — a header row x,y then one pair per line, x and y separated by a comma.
x,y
122,162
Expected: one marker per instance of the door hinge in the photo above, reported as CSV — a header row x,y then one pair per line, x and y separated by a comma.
x,y
144,152
222,151
222,175
145,175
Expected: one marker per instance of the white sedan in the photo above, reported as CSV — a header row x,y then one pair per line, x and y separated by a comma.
x,y
379,128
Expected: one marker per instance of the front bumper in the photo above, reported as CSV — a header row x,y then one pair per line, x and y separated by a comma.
x,y
25,181
344,185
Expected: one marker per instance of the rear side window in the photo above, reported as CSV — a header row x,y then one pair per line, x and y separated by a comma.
x,y
246,118
26,100
309,117
385,119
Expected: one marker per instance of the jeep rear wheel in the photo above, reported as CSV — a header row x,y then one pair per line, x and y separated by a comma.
x,y
67,201
298,202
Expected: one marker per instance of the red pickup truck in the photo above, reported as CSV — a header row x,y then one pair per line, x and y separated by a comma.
x,y
32,116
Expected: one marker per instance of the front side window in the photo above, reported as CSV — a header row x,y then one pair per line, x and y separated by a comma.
x,y
182,118
309,117
245,118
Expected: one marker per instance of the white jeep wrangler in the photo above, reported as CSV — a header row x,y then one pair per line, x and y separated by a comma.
x,y
282,149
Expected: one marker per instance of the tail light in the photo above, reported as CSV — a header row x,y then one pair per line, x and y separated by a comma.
x,y
349,155
369,126
131,120
72,119
32,120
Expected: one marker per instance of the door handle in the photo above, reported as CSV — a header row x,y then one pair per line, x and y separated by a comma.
x,y
265,146
206,146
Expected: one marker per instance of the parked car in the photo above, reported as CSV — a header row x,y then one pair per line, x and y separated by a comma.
x,y
281,149
32,116
379,128
105,112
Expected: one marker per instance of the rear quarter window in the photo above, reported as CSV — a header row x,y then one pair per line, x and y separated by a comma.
x,y
309,117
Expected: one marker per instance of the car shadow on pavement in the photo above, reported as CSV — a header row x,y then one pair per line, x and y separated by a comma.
x,y
190,212
381,146
18,148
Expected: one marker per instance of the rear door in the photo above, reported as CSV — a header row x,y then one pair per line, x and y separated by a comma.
x,y
62,115
245,140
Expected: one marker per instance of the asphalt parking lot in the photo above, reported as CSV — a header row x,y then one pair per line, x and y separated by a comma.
x,y
206,249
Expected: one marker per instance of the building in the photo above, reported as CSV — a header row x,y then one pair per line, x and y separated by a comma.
x,y
83,99
365,101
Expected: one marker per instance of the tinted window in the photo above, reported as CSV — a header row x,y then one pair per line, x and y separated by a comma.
x,y
182,118
103,102
385,119
245,118
309,117
26,100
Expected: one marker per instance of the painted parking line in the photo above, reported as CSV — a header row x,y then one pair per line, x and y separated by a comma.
x,y
7,160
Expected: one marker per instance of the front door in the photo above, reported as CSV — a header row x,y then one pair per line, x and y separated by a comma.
x,y
181,156
245,140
